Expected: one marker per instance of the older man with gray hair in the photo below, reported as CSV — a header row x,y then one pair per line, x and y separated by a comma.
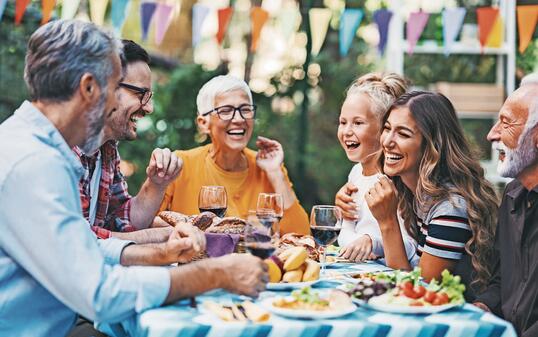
x,y
513,290
51,264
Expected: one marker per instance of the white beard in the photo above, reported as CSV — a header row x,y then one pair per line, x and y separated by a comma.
x,y
95,133
516,160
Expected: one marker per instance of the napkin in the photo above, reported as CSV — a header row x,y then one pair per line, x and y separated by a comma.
x,y
218,244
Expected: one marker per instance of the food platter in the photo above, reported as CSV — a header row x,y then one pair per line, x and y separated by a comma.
x,y
380,303
311,314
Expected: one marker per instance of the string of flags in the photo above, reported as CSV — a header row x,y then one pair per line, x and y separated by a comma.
x,y
161,13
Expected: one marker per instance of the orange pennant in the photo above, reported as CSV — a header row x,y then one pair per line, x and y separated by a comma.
x,y
486,19
20,8
225,14
48,6
259,17
526,22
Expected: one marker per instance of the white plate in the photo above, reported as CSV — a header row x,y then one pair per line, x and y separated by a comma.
x,y
288,286
310,314
404,309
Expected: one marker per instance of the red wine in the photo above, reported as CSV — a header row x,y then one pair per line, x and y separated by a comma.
x,y
325,235
220,212
260,249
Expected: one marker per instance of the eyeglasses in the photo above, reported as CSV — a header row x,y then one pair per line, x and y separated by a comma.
x,y
227,112
145,94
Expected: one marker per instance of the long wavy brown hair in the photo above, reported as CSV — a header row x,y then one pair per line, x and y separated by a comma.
x,y
448,166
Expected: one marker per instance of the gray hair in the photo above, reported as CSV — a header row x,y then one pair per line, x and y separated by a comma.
x,y
532,119
61,52
216,86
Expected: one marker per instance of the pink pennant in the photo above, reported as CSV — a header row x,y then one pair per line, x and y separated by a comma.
x,y
163,18
415,26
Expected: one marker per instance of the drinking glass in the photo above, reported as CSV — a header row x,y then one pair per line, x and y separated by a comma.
x,y
259,236
213,199
325,224
270,208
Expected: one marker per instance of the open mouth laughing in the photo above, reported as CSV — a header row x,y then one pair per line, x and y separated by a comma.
x,y
237,132
351,145
392,158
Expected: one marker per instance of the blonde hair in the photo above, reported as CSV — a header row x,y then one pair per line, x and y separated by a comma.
x,y
382,89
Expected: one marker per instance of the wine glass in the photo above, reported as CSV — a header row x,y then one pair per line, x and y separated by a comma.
x,y
259,236
325,224
270,208
213,199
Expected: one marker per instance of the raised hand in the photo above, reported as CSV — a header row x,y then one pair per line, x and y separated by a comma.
x,y
244,274
270,154
164,166
344,200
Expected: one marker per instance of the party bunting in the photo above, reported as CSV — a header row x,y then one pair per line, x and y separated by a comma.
x,y
349,23
486,17
163,18
147,9
382,18
527,16
452,22
20,8
415,26
495,38
2,7
118,12
47,7
199,13
97,11
69,9
224,15
258,17
319,23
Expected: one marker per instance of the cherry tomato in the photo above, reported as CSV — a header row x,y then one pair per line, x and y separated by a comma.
x,y
419,291
407,285
440,299
430,296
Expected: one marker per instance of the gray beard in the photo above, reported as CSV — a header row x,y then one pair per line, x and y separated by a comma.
x,y
515,161
95,132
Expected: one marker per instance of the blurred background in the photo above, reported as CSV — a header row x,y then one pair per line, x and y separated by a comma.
x,y
298,90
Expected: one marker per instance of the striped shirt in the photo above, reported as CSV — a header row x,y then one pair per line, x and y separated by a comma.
x,y
444,230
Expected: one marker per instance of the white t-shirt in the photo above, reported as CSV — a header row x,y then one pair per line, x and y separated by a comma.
x,y
366,223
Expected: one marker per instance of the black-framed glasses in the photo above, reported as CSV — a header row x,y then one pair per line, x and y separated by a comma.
x,y
227,112
145,94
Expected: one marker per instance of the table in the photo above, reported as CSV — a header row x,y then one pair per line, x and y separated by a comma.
x,y
181,320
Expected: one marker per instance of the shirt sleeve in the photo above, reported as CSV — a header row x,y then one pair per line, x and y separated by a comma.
x,y
491,296
448,229
54,245
112,249
119,206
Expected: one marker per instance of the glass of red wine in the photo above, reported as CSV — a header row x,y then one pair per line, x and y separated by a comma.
x,y
213,199
259,236
270,209
325,225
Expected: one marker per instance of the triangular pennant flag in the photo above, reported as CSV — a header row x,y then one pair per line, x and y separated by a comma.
x,y
452,22
287,21
382,18
69,9
349,23
224,15
2,7
47,7
319,23
258,17
199,13
20,8
118,12
147,9
97,11
163,18
415,26
495,38
486,17
526,23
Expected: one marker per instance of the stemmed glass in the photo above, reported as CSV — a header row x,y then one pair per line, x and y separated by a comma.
x,y
325,224
270,209
213,199
259,236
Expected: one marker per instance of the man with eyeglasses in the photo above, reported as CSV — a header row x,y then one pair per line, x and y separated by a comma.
x,y
106,203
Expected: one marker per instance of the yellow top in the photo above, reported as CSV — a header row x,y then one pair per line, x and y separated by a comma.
x,y
242,188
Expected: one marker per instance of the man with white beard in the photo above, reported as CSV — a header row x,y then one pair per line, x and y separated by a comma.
x,y
513,289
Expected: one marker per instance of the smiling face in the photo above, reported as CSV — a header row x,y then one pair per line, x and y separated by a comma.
x,y
512,137
401,142
358,128
232,135
121,125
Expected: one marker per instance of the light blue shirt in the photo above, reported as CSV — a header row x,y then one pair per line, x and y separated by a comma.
x,y
51,264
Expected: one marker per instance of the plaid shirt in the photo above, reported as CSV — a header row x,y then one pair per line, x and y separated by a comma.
x,y
114,201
